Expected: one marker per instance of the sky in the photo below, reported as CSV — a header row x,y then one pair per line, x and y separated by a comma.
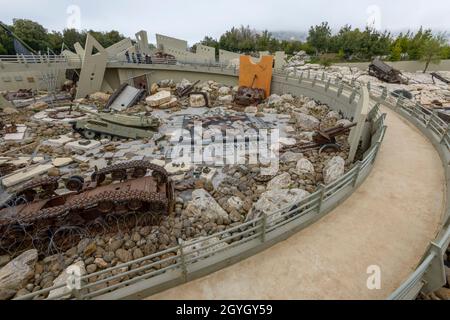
x,y
193,19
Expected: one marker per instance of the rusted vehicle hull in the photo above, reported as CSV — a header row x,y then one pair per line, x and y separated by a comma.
x,y
59,222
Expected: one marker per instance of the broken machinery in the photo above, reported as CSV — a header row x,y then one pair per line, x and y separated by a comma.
x,y
322,140
38,214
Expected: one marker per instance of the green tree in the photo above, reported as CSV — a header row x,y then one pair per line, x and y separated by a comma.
x,y
3,51
55,40
319,37
72,36
7,42
431,50
32,33
396,52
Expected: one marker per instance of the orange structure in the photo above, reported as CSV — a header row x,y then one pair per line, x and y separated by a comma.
x,y
256,75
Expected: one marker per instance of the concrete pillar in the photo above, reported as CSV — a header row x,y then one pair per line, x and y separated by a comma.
x,y
93,68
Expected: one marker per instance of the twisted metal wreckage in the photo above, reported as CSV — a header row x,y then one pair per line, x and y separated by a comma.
x,y
37,217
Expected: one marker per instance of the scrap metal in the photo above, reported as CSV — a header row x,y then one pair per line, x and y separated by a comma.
x,y
322,140
92,203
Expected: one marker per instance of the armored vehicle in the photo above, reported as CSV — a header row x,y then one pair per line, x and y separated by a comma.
x,y
386,73
134,198
113,126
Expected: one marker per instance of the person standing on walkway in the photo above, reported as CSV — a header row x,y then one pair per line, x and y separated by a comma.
x,y
127,55
133,57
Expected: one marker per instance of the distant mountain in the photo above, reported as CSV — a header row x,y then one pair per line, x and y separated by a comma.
x,y
290,35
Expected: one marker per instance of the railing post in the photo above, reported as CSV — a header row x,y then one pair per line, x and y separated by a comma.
x,y
378,145
358,170
322,197
353,95
399,103
327,86
300,79
76,293
444,135
183,262
384,94
264,227
340,90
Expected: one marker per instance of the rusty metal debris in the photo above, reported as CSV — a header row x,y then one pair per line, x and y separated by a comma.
x,y
20,94
385,72
249,96
322,140
163,58
88,203
439,77
183,92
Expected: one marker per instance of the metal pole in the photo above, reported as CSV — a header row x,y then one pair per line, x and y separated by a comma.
x,y
183,263
357,174
264,227
322,197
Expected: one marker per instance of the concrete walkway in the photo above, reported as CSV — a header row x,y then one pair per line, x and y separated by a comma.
x,y
389,222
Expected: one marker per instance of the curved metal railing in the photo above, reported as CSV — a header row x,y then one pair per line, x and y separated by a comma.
x,y
189,260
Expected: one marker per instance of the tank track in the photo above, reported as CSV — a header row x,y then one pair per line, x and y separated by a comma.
x,y
82,213
139,168
43,186
155,202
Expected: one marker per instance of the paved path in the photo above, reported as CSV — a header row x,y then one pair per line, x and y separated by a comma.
x,y
389,221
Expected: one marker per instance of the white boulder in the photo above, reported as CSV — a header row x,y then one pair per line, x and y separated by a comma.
x,y
159,98
203,204
307,122
282,181
226,99
76,270
275,200
304,166
275,101
224,91
333,170
291,157
16,273
197,101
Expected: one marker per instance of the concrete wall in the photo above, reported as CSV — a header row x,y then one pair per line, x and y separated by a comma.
x,y
206,53
157,73
169,42
408,66
13,81
225,56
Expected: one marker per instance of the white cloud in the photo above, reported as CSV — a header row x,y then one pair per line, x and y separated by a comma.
x,y
192,20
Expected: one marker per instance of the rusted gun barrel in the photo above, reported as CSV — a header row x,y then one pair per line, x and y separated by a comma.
x,y
186,91
322,139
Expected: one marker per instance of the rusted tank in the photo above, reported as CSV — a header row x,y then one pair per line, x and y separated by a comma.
x,y
247,96
91,208
386,73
